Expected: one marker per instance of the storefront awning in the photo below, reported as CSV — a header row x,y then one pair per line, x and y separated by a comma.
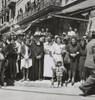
x,y
25,28
71,18
39,20
88,4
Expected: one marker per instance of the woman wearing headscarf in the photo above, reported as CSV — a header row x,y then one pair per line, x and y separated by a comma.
x,y
37,54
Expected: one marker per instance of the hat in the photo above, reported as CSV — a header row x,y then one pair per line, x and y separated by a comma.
x,y
84,37
56,36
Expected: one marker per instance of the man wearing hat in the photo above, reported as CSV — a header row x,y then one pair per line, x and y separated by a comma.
x,y
88,87
37,53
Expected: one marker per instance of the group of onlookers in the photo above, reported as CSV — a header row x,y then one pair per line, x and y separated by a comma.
x,y
44,56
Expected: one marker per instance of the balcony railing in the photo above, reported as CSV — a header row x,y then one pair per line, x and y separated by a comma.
x,y
39,7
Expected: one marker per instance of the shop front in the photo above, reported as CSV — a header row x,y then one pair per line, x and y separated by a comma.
x,y
77,16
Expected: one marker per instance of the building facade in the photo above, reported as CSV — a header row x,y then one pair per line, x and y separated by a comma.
x,y
7,15
38,11
85,10
57,15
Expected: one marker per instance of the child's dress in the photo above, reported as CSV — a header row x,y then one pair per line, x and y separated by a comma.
x,y
59,70
26,62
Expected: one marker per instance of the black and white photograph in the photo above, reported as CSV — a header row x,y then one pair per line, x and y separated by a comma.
x,y
47,49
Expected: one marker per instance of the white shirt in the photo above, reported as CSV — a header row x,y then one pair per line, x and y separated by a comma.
x,y
71,33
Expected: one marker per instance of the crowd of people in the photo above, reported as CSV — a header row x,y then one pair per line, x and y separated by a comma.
x,y
44,56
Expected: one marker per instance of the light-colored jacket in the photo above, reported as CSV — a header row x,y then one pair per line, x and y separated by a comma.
x,y
89,62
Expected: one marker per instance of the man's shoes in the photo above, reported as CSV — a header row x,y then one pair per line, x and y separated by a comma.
x,y
84,92
80,87
85,95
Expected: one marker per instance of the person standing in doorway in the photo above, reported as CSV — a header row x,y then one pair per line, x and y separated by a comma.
x,y
71,33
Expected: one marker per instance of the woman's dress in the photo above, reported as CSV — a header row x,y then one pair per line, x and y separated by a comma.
x,y
58,49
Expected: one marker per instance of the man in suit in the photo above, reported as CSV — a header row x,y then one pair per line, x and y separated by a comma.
x,y
88,87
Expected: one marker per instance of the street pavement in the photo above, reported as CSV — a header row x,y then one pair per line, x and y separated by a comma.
x,y
42,93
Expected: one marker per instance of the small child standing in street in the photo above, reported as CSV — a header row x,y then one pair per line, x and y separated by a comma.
x,y
59,71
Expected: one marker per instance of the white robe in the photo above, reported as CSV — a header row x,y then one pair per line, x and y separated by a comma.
x,y
48,60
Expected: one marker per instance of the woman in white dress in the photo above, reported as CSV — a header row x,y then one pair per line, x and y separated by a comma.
x,y
48,57
26,61
59,50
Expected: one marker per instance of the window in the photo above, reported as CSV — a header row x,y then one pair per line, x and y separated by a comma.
x,y
3,3
20,11
7,15
28,6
